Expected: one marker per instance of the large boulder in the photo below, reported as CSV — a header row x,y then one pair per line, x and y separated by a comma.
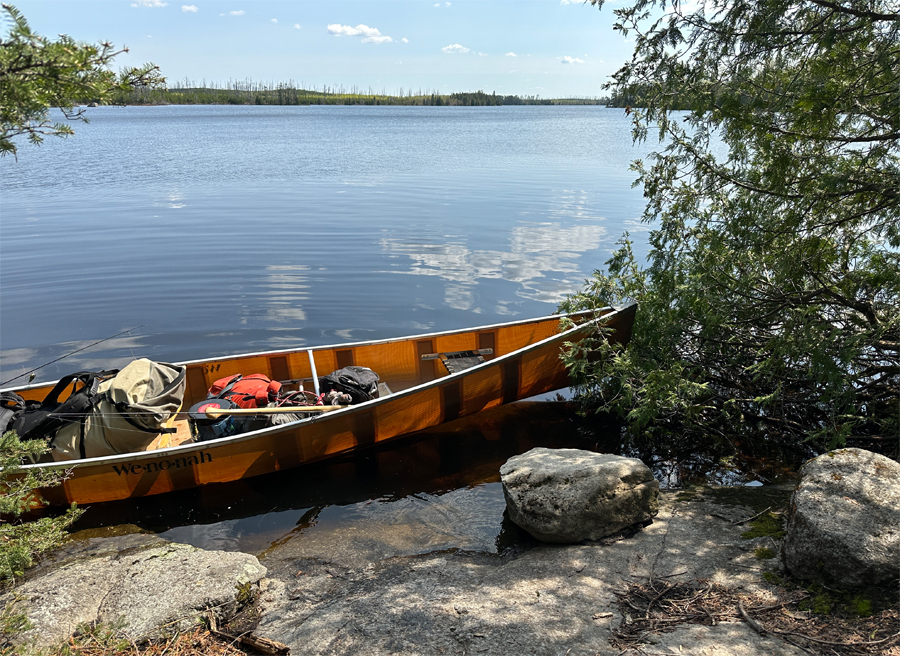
x,y
153,586
844,522
570,495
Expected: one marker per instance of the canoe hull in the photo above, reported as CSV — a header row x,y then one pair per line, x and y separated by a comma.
x,y
526,362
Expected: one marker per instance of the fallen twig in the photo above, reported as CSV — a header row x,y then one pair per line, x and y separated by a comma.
x,y
654,600
756,626
837,644
750,519
782,604
260,644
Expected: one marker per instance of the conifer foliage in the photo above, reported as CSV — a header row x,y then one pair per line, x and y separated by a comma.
x,y
38,74
770,302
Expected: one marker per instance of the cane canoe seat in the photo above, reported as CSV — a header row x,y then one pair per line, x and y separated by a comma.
x,y
456,361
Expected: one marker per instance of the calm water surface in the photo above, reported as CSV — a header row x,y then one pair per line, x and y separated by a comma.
x,y
231,229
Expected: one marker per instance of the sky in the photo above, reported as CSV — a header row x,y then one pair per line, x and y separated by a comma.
x,y
546,48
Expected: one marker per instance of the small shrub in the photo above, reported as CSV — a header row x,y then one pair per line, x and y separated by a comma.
x,y
22,542
820,604
773,578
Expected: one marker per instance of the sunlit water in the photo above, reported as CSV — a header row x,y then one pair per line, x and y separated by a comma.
x,y
230,229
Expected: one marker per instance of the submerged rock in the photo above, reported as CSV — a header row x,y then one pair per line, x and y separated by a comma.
x,y
570,495
844,524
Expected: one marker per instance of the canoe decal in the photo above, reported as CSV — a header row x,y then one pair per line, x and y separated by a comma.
x,y
162,464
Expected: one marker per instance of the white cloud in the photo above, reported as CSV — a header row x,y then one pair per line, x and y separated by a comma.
x,y
274,20
370,34
454,49
345,30
238,12
190,9
297,26
571,60
511,54
404,40
149,3
482,54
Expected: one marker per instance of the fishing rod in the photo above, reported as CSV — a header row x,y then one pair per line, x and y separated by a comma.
x,y
63,357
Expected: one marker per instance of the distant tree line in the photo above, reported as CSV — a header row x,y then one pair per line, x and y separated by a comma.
x,y
250,92
638,95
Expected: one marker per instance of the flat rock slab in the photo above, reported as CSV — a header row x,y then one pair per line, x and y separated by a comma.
x,y
155,585
551,600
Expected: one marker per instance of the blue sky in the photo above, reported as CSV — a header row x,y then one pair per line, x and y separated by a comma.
x,y
550,48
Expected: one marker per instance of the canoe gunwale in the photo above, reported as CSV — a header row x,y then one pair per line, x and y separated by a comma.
x,y
169,452
375,342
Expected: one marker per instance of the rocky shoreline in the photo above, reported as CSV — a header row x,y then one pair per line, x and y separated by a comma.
x,y
549,599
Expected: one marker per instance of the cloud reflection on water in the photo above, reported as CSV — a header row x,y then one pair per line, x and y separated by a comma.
x,y
535,251
287,288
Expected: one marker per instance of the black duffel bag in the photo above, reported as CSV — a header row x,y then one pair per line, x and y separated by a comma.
x,y
361,383
36,420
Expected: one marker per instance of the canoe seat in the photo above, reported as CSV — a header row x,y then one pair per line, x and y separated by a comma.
x,y
456,361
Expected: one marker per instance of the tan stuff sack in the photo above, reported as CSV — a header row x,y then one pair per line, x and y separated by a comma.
x,y
128,413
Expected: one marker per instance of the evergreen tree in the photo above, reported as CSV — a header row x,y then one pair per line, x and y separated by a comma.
x,y
769,306
37,74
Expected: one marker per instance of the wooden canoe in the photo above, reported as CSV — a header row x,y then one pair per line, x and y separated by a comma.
x,y
524,362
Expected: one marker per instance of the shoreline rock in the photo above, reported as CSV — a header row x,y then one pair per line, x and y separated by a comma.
x,y
570,495
541,599
547,601
155,585
843,528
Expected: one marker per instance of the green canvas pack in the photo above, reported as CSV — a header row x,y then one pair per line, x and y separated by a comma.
x,y
127,414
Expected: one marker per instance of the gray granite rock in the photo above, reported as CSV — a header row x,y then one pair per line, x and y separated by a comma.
x,y
570,495
844,524
153,585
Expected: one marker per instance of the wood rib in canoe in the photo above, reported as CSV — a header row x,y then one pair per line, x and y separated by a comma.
x,y
524,362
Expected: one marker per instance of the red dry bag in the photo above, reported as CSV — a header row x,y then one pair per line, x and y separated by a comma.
x,y
254,391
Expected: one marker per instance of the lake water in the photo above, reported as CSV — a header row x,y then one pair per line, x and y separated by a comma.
x,y
222,229
231,229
